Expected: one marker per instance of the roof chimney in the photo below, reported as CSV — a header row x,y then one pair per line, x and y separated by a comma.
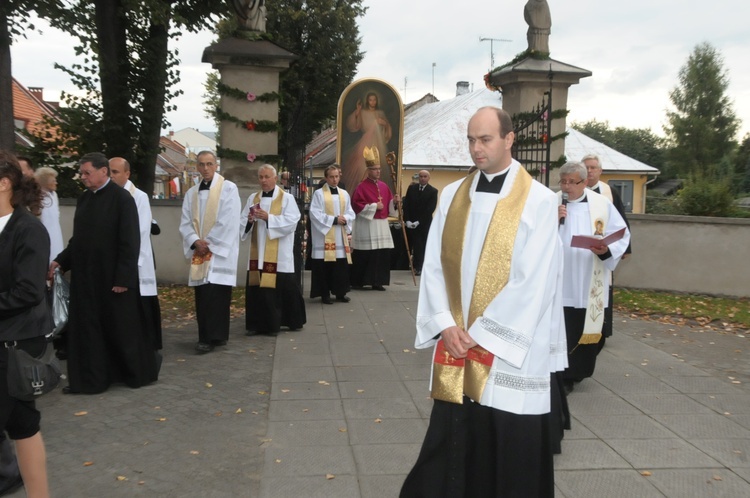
x,y
37,92
462,88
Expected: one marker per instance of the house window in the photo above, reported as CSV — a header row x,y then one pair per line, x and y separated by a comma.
x,y
625,189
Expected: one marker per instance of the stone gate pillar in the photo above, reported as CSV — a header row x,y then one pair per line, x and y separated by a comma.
x,y
248,69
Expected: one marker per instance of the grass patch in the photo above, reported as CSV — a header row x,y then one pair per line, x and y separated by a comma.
x,y
705,310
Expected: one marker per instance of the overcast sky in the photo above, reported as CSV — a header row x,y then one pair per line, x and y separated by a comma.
x,y
634,50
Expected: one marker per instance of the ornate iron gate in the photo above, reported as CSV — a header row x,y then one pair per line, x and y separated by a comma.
x,y
532,146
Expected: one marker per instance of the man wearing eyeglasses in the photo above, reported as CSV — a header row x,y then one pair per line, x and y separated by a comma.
x,y
586,273
106,341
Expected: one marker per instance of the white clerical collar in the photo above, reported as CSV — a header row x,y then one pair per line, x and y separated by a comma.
x,y
492,176
583,196
105,184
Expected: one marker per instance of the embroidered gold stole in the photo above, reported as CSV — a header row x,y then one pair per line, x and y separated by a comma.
x,y
199,265
592,328
267,276
452,377
329,245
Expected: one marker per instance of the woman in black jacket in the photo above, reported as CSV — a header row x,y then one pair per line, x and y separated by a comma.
x,y
24,317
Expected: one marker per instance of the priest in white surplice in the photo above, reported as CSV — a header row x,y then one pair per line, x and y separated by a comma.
x,y
486,304
273,297
587,271
211,240
119,171
331,217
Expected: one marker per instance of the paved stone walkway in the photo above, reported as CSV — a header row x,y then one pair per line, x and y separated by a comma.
x,y
340,408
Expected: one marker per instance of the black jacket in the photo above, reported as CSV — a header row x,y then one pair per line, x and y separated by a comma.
x,y
24,259
419,206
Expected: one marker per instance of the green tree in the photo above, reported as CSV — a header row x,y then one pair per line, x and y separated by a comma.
x,y
639,143
14,23
127,73
702,126
742,166
325,36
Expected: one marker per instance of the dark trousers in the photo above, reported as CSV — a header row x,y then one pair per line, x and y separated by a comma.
x,y
212,302
417,242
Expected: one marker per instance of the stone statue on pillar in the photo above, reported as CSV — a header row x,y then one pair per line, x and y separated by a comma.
x,y
250,13
537,16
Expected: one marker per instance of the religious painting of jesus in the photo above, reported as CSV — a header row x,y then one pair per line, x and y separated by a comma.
x,y
371,115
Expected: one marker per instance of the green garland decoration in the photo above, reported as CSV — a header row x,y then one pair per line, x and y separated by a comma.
x,y
261,125
238,155
238,94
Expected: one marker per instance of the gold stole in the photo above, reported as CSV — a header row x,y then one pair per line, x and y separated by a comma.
x,y
453,377
266,277
199,265
330,239
592,328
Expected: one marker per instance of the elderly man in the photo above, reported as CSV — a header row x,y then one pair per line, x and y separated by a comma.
x,y
373,202
594,171
106,340
486,304
119,168
587,269
211,240
273,297
419,204
331,217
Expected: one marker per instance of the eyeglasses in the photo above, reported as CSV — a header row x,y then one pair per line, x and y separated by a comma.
x,y
570,182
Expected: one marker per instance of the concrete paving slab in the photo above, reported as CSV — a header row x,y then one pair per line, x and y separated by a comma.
x,y
380,408
599,404
291,374
309,461
368,389
304,390
631,383
387,431
618,426
733,403
712,426
306,409
381,485
580,454
662,454
665,403
346,348
609,483
700,385
297,433
700,483
733,453
382,459
302,360
367,373
310,487
353,359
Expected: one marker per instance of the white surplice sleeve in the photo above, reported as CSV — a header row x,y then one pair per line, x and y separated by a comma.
x,y
511,320
321,222
224,235
615,223
285,223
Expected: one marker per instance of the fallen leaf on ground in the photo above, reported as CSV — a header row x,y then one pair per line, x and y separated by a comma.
x,y
88,464
122,478
330,476
646,473
285,390
718,478
208,384
378,420
239,410
194,452
162,419
80,414
342,429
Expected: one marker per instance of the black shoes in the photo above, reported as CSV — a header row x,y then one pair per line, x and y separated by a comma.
x,y
202,347
326,300
219,343
378,288
417,272
343,299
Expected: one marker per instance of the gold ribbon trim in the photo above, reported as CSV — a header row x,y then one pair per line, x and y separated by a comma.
x,y
453,377
199,265
267,277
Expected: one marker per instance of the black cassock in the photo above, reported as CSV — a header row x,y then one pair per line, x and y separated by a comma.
x,y
107,340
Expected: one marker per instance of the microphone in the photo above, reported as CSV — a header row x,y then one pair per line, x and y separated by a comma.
x,y
564,203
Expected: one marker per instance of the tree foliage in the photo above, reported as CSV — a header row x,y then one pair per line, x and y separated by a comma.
x,y
639,143
15,21
125,73
702,126
325,36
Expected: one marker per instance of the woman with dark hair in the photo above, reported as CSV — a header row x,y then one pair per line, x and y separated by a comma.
x,y
24,316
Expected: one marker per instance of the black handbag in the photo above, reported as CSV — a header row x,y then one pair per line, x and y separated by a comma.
x,y
30,377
